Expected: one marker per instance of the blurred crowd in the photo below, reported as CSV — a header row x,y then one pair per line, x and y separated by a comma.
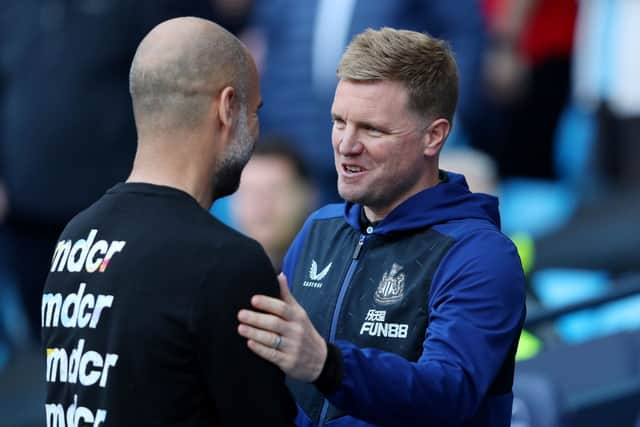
x,y
549,120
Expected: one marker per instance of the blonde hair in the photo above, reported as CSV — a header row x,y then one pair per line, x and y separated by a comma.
x,y
423,64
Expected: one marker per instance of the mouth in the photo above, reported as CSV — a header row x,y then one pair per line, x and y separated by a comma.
x,y
352,170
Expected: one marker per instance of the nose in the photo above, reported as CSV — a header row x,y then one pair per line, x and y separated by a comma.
x,y
348,142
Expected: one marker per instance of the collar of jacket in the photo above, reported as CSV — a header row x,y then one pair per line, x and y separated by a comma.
x,y
447,201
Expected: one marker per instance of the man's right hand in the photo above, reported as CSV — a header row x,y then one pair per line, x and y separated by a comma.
x,y
281,332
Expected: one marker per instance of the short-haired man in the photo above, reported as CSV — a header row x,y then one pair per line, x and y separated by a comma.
x,y
406,301
139,308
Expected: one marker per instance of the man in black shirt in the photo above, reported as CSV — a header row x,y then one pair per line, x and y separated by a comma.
x,y
138,310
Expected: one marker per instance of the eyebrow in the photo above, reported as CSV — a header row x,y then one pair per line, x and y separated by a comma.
x,y
363,124
261,104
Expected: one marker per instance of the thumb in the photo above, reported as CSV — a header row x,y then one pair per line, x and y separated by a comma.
x,y
285,293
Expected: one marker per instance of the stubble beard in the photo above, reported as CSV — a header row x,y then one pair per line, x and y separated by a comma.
x,y
234,158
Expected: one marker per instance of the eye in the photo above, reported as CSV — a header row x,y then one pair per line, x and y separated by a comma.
x,y
373,131
338,123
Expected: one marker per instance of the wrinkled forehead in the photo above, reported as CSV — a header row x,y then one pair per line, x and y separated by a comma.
x,y
373,91
377,100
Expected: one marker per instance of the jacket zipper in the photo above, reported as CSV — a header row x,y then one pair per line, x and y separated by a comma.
x,y
334,320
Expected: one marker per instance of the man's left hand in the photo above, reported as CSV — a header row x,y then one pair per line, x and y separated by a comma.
x,y
283,334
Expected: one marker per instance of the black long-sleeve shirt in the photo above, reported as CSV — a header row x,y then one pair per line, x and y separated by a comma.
x,y
139,318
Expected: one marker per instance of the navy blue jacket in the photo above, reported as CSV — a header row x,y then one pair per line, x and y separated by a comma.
x,y
426,309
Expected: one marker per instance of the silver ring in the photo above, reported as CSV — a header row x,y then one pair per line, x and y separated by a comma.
x,y
278,342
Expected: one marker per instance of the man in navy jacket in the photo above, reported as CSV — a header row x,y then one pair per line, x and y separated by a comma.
x,y
406,301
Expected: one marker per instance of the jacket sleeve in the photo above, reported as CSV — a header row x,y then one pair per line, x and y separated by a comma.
x,y
476,310
244,389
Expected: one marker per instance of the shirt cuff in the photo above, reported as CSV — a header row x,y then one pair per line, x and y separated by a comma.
x,y
332,372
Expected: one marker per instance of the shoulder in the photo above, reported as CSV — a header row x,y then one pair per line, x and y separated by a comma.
x,y
462,229
239,267
482,246
326,213
482,260
228,255
209,230
234,247
334,210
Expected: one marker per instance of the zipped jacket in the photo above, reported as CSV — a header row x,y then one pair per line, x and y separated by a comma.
x,y
425,308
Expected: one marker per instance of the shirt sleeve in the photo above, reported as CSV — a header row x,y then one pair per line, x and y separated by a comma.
x,y
244,389
476,311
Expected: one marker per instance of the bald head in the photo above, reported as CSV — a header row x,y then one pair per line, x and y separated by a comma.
x,y
178,69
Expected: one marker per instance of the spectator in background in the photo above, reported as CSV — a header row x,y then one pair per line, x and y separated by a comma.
x,y
606,83
66,127
478,168
274,198
601,234
303,42
527,70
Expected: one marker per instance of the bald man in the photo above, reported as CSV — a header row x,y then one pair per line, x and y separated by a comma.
x,y
138,311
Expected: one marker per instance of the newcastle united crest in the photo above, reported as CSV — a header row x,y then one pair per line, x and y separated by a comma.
x,y
391,287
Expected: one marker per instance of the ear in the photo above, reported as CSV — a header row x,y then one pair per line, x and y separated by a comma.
x,y
435,136
225,107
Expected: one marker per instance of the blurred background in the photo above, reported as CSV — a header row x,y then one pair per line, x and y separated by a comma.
x,y
548,120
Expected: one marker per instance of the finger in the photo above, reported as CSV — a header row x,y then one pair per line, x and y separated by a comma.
x,y
266,338
262,321
268,353
270,305
285,293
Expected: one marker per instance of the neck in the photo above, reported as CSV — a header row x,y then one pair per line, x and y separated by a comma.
x,y
178,167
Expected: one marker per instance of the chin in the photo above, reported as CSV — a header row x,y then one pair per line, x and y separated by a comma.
x,y
349,196
225,190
